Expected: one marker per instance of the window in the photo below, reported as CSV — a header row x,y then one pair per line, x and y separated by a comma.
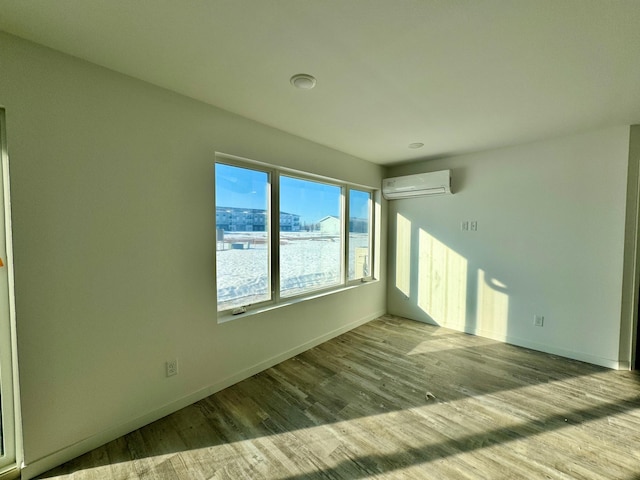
x,y
359,234
311,255
281,235
242,247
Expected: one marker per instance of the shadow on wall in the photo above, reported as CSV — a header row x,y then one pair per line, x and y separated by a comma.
x,y
446,287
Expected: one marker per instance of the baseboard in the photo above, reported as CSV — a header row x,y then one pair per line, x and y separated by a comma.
x,y
72,451
540,347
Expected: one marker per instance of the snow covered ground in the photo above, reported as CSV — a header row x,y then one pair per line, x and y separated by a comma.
x,y
308,262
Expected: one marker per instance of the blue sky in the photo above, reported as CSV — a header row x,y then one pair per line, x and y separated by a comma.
x,y
245,188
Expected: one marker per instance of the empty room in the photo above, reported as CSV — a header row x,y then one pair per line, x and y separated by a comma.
x,y
332,239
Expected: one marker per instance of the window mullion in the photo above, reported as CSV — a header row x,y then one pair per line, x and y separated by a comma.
x,y
372,230
275,235
345,235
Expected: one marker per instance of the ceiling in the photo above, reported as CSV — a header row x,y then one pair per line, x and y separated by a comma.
x,y
456,75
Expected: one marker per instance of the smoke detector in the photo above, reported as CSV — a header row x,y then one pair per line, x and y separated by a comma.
x,y
303,81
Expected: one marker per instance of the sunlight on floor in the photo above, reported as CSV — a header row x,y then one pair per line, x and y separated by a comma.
x,y
435,344
407,440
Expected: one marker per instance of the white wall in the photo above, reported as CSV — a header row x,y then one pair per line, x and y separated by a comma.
x,y
114,250
550,241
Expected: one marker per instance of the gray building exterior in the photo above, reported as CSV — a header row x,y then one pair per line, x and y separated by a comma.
x,y
233,219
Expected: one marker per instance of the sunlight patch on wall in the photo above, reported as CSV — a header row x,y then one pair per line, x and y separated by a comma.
x,y
493,306
442,281
403,254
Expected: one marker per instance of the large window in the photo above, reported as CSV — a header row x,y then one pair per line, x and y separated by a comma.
x,y
281,235
242,236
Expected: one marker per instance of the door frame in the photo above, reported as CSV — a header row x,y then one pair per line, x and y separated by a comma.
x,y
11,458
628,352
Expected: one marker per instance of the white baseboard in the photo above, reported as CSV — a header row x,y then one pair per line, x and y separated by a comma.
x,y
540,347
72,451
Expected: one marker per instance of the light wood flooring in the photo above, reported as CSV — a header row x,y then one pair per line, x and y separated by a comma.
x,y
394,399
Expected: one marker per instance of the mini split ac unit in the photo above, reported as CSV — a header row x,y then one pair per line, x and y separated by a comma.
x,y
421,184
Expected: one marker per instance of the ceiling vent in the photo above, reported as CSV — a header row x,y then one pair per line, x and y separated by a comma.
x,y
419,185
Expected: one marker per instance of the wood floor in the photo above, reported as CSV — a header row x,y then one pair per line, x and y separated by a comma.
x,y
395,399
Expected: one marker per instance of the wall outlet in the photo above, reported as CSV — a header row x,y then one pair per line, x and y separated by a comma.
x,y
469,225
538,320
172,367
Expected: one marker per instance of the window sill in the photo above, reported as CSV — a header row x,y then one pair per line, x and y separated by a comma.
x,y
227,317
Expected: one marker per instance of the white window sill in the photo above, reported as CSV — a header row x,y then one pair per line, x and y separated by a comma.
x,y
227,317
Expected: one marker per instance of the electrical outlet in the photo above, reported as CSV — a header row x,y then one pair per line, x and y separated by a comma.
x,y
464,226
172,367
473,226
538,320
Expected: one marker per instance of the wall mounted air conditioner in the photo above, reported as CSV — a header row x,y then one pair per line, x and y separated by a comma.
x,y
421,184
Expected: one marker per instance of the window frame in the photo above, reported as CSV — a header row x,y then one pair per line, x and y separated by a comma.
x,y
371,233
331,182
273,234
269,226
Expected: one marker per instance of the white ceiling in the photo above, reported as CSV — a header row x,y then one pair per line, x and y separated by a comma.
x,y
456,75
